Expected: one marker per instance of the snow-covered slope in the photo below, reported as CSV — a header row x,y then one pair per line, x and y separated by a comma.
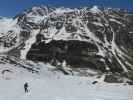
x,y
86,40
9,34
52,85
62,88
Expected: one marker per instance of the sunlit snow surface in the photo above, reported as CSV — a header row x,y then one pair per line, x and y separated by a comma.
x,y
53,85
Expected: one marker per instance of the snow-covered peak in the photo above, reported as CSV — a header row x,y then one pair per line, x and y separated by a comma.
x,y
63,10
36,19
95,9
8,24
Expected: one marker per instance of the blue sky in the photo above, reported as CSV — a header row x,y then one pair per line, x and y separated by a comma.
x,y
13,7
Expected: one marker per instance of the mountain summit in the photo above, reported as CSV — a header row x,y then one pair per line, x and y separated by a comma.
x,y
95,39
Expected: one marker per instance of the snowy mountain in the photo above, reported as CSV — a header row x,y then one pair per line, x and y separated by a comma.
x,y
90,41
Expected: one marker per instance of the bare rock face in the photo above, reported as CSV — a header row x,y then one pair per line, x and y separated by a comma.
x,y
113,78
92,38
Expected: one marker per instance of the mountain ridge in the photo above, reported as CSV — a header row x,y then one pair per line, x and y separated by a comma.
x,y
94,38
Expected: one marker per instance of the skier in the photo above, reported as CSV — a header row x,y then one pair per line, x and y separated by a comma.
x,y
26,87
94,82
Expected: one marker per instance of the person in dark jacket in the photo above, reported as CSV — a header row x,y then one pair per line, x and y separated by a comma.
x,y
26,86
94,82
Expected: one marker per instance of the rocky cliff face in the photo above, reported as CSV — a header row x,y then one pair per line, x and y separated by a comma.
x,y
88,38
